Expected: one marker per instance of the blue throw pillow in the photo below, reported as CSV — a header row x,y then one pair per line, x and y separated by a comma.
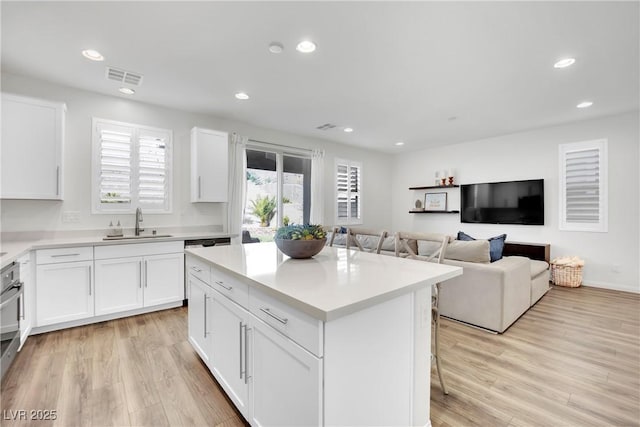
x,y
496,244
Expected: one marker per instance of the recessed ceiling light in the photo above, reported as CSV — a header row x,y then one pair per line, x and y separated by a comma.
x,y
276,47
564,63
452,118
93,55
348,130
585,104
127,91
399,143
242,96
306,46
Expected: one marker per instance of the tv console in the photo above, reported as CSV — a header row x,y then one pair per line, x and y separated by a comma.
x,y
537,251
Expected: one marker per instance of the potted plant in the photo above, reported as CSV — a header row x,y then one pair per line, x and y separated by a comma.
x,y
300,241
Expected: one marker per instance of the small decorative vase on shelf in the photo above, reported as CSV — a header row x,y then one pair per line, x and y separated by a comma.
x,y
443,181
450,180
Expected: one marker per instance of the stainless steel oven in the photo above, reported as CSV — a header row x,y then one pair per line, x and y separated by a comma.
x,y
11,309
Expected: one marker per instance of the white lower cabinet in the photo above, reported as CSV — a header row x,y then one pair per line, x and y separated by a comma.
x,y
270,378
64,292
139,280
199,317
163,278
230,351
286,380
118,285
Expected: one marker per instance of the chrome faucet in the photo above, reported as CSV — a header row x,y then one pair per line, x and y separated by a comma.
x,y
138,221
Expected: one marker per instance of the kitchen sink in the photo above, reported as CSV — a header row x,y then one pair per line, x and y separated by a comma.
x,y
144,236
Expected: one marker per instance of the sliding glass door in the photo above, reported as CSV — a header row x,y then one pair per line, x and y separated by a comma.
x,y
278,191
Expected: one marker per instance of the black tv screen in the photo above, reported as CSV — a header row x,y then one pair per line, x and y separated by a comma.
x,y
513,202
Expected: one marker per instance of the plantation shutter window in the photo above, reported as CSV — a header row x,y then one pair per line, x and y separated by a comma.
x,y
152,169
583,186
131,168
348,192
115,164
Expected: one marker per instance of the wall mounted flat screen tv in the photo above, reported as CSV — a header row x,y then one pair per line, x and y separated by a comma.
x,y
513,202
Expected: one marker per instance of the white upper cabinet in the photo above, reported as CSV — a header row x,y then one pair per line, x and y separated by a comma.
x,y
209,165
32,148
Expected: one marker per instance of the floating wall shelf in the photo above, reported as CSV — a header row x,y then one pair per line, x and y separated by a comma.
x,y
434,187
434,212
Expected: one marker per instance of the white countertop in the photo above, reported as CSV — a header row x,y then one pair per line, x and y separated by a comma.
x,y
16,248
332,284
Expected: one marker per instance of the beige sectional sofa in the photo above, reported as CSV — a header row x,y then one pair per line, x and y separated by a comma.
x,y
494,295
488,295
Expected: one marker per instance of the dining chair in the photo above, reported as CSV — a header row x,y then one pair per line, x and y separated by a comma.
x,y
355,235
431,248
330,230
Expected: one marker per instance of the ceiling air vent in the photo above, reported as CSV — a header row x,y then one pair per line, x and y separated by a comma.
x,y
326,126
122,76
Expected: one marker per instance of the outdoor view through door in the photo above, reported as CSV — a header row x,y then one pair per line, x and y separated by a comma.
x,y
278,191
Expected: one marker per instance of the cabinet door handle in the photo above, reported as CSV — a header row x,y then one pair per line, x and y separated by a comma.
x,y
219,282
278,318
63,255
246,358
199,187
58,181
90,280
240,352
146,275
196,269
140,265
22,316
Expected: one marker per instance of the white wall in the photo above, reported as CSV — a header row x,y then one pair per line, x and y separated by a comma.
x,y
529,155
37,215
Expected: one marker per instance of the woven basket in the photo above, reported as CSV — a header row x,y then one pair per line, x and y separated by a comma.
x,y
564,275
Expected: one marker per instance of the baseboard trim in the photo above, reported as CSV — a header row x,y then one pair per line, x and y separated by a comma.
x,y
612,286
103,318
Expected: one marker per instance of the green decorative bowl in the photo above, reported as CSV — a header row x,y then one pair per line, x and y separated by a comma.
x,y
300,249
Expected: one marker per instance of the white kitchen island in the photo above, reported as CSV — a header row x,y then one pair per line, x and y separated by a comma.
x,y
339,339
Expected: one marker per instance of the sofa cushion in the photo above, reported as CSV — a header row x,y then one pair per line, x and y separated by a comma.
x,y
496,244
389,244
427,248
367,242
340,240
469,251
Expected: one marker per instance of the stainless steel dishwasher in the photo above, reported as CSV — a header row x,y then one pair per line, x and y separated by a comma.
x,y
200,243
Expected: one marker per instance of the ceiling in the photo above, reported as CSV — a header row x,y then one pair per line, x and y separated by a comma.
x,y
425,73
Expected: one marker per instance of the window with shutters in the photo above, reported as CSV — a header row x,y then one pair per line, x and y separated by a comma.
x,y
348,192
583,186
131,168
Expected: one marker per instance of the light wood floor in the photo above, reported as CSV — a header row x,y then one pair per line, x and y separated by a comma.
x,y
135,371
572,360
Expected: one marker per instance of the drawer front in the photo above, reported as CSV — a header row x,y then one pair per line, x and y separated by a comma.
x,y
58,255
124,250
300,327
199,269
230,287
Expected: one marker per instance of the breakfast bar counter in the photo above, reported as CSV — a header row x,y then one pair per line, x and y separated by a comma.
x,y
342,338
